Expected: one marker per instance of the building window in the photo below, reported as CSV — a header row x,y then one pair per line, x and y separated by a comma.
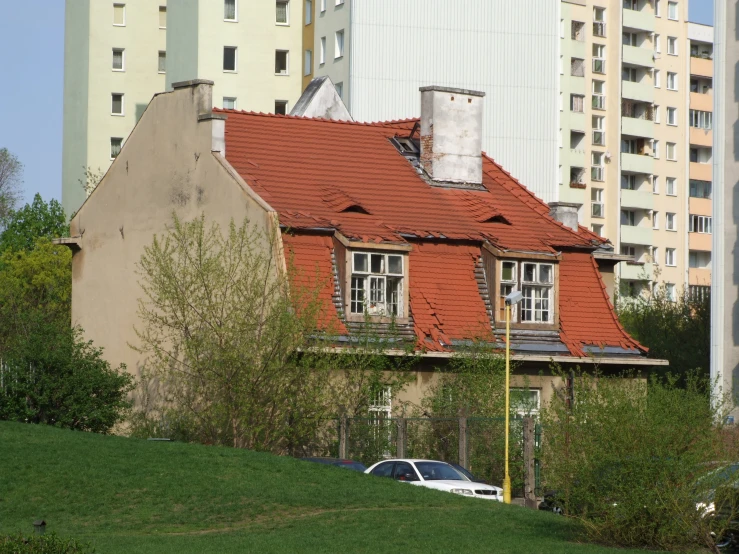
x,y
229,10
599,22
339,44
162,17
162,62
656,111
119,59
670,257
116,143
119,15
671,188
629,74
308,69
672,151
537,281
630,39
655,149
596,169
281,107
658,8
698,259
596,203
700,189
628,218
670,292
672,46
577,67
508,284
656,78
599,62
281,60
672,10
229,58
597,229
322,58
578,31
577,102
655,184
599,135
628,182
323,5
627,250
229,102
282,13
671,116
377,284
525,402
671,81
657,43
339,2
701,119
116,101
670,221
308,12
339,89
655,220
700,224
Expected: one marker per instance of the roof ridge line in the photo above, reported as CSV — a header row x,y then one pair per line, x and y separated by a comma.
x,y
317,119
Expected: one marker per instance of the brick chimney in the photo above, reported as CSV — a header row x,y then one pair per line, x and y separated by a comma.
x,y
451,134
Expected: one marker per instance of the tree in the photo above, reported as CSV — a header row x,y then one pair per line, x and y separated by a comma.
x,y
11,170
36,220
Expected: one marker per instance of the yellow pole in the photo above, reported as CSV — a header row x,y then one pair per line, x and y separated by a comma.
x,y
507,478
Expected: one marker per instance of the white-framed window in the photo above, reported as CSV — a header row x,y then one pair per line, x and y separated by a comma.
x,y
672,151
700,224
599,22
116,103
597,229
323,5
508,284
671,81
672,11
629,182
229,58
657,43
701,119
628,250
671,116
671,186
630,39
596,203
119,59
597,171
577,103
670,257
308,12
339,2
670,292
308,63
628,218
230,10
282,12
525,402
339,44
656,114
700,189
537,282
656,78
281,107
629,74
670,223
655,220
340,89
162,62
282,58
116,143
672,46
658,8
380,405
322,57
655,149
162,17
599,61
655,184
119,15
377,284
229,102
599,134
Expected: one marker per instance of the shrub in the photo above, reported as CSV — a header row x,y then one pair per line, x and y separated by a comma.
x,y
42,544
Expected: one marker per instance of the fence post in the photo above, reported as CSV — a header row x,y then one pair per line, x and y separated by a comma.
x,y
528,460
463,442
343,438
402,434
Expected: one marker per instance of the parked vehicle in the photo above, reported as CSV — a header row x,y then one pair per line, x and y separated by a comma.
x,y
467,473
338,462
437,475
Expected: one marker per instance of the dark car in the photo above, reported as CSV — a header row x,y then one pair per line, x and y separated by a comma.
x,y
338,462
467,473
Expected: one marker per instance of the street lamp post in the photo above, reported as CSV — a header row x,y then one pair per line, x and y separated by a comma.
x,y
511,299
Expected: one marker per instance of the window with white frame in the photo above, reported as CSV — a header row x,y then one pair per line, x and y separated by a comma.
x,y
119,59
599,61
339,44
629,182
671,81
672,10
282,12
628,250
670,292
116,143
281,62
508,284
671,116
162,17
596,203
599,22
701,119
655,149
308,12
670,257
229,58
656,111
656,78
597,229
525,402
596,168
672,46
658,8
308,63
700,189
629,74
162,62
323,5
672,151
230,10
700,224
537,283
628,218
229,102
119,15
657,43
630,39
655,254
322,53
281,107
599,135
655,184
670,221
655,220
380,404
671,186
377,284
116,103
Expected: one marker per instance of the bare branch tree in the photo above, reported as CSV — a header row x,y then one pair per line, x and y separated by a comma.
x,y
11,170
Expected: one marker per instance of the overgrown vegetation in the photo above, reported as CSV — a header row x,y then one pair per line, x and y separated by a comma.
x,y
11,172
43,544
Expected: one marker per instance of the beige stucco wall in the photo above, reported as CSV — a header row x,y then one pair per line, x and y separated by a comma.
x,y
167,166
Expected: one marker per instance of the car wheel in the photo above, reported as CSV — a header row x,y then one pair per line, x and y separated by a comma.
x,y
558,510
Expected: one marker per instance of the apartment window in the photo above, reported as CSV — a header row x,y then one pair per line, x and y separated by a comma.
x,y
282,12
630,74
229,58
671,116
281,60
340,89
656,78
700,189
655,149
671,186
672,151
577,67
598,98
701,120
655,184
116,103
577,102
308,69
630,39
670,292
596,169
599,62
671,81
162,62
323,5
670,257
627,250
657,43
655,255
281,107
628,218
229,103
308,12
596,203
229,10
537,281
672,10
628,182
672,46
578,31
119,15
658,8
339,44
116,143
599,135
322,58
670,221
162,17
597,229
700,224
119,59
656,113
655,220
599,22
377,284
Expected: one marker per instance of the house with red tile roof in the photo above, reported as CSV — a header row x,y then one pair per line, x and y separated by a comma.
x,y
405,223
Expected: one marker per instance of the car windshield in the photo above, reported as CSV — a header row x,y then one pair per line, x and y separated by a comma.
x,y
438,471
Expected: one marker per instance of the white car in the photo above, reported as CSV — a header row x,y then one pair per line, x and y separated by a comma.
x,y
434,475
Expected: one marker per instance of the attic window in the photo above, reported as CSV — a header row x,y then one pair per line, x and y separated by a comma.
x,y
355,208
377,284
341,202
536,281
496,218
406,145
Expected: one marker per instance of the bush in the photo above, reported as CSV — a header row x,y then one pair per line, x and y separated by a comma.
x,y
42,544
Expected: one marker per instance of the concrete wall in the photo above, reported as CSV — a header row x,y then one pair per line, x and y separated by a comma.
x,y
327,22
165,167
183,43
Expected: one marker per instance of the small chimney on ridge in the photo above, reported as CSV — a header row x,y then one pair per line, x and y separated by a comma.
x,y
451,134
565,213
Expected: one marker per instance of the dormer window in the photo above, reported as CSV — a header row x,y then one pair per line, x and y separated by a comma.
x,y
377,284
536,281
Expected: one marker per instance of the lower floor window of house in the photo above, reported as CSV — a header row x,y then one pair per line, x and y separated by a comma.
x,y
377,284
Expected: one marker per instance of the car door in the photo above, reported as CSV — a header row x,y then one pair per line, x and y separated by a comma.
x,y
405,472
385,469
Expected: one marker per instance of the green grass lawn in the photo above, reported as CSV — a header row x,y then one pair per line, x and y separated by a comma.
x,y
130,496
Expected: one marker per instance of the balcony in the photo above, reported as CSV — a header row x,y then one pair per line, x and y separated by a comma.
x,y
637,271
637,91
701,137
699,276
637,127
636,235
701,172
700,206
700,241
639,163
637,199
702,67
702,102
641,20
636,55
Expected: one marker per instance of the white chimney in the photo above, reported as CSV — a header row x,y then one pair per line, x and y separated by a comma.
x,y
565,213
451,134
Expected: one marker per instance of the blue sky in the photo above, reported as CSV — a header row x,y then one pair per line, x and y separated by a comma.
x,y
31,99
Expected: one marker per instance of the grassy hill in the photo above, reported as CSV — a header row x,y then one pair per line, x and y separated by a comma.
x,y
132,496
